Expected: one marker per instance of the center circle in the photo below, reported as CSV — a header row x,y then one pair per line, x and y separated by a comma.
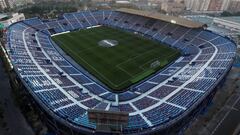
x,y
108,43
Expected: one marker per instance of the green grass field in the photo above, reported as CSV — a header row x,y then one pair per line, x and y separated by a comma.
x,y
120,66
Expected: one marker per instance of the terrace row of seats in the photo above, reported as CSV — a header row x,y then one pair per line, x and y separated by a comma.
x,y
44,69
162,114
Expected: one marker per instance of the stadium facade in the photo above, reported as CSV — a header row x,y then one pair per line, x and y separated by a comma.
x,y
165,102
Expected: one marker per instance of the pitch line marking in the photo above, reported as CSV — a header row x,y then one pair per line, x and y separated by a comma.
x,y
89,65
116,66
124,71
130,59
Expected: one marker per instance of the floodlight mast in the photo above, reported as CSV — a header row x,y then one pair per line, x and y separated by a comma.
x,y
173,21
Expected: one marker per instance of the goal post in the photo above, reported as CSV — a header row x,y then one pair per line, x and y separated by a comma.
x,y
155,64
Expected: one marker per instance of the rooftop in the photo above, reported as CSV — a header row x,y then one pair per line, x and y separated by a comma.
x,y
172,19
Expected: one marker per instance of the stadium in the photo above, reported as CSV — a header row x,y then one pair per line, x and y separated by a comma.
x,y
158,71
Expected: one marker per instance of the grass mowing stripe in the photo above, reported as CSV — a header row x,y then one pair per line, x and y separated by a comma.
x,y
143,75
66,48
120,66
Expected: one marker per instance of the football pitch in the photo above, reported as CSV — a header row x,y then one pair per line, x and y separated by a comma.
x,y
131,60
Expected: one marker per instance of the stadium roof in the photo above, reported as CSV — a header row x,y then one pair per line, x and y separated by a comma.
x,y
172,19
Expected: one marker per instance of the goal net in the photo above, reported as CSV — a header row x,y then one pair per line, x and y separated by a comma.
x,y
155,64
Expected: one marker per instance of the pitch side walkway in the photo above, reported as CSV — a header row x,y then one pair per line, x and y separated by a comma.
x,y
15,121
226,120
230,122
